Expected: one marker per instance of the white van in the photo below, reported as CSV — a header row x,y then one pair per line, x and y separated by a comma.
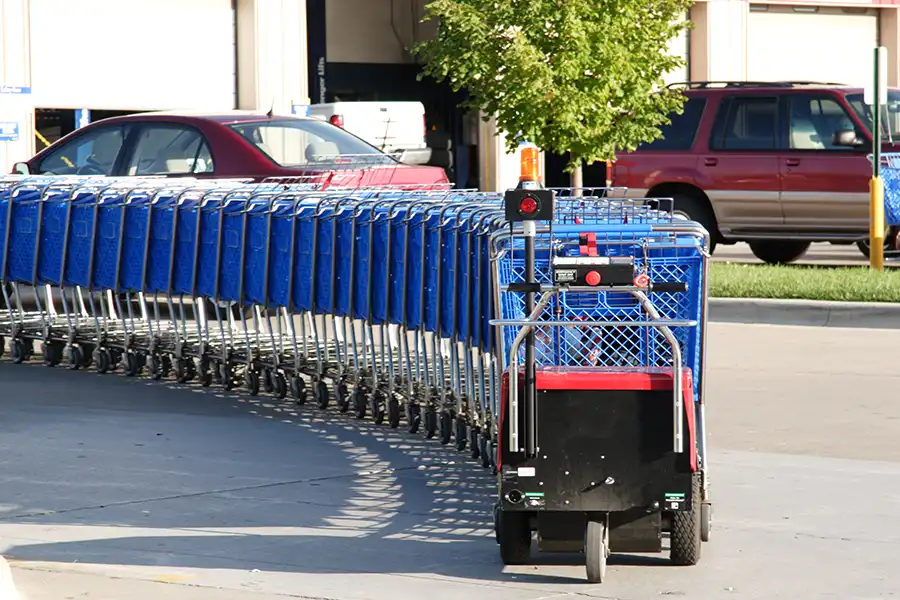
x,y
393,127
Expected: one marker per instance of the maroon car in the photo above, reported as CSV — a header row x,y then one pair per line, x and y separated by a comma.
x,y
235,145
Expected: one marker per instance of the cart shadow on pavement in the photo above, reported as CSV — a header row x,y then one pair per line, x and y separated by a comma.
x,y
342,496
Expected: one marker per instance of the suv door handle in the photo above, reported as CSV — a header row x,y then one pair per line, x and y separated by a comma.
x,y
792,162
710,162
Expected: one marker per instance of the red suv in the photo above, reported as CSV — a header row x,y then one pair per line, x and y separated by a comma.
x,y
777,165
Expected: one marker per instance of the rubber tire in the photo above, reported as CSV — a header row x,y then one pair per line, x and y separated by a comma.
x,y
514,536
685,535
17,351
321,393
252,381
103,360
705,521
393,413
376,405
298,390
360,407
430,422
279,385
778,252
413,417
890,250
474,445
461,433
484,450
74,358
698,210
342,396
446,427
596,551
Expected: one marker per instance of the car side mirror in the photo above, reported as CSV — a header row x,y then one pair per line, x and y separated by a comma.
x,y
21,168
847,138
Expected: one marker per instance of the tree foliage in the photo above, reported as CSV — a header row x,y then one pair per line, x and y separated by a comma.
x,y
572,76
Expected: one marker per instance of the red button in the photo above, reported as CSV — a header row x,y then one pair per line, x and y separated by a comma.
x,y
592,278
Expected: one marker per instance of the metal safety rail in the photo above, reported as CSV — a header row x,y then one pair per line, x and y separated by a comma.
x,y
380,299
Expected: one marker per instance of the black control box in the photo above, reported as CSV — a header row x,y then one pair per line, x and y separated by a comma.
x,y
593,271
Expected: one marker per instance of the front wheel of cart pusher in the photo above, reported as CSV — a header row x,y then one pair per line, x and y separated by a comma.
x,y
342,396
446,426
430,422
376,406
705,521
413,416
393,412
685,537
596,550
321,393
17,351
74,359
359,401
461,433
252,381
279,385
298,389
514,534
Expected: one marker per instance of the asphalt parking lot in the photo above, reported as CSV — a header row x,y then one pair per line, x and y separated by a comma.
x,y
116,488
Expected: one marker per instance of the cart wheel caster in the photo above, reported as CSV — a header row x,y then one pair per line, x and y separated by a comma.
x,y
514,535
225,376
251,380
131,364
87,356
181,370
376,401
431,422
103,360
206,379
154,367
493,449
358,400
687,531
52,354
461,434
342,396
279,385
74,358
484,451
2,345
413,416
321,394
393,413
268,381
446,427
17,351
473,443
705,521
298,389
166,364
596,551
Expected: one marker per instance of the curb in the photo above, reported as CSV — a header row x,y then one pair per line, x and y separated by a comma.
x,y
811,313
7,587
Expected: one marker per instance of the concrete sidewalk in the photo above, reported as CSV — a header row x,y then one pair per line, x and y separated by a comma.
x,y
7,587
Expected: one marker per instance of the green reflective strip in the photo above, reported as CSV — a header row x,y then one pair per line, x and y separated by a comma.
x,y
674,495
535,494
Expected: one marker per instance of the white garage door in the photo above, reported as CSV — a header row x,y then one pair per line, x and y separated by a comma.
x,y
809,43
133,54
679,46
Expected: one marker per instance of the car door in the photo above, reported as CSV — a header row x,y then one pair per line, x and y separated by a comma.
x,y
824,186
741,167
169,149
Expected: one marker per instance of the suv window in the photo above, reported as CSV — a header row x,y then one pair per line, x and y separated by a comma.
x,y
92,153
680,133
749,123
166,149
814,119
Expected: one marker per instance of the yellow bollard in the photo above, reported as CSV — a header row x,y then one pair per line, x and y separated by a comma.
x,y
876,223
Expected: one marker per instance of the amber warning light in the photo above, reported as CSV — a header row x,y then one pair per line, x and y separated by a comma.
x,y
529,164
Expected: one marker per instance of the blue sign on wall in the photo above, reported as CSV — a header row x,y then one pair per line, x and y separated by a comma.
x,y
82,117
9,131
14,89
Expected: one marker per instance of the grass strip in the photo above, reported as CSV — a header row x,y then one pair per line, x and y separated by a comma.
x,y
847,284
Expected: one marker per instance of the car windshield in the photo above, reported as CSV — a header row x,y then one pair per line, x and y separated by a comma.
x,y
304,142
890,118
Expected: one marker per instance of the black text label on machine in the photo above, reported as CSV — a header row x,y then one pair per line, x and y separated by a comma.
x,y
566,275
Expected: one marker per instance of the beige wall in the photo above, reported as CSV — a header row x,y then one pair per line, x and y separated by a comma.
x,y
368,31
272,65
15,70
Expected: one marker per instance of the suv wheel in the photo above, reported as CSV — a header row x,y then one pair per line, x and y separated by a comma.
x,y
778,252
891,250
696,209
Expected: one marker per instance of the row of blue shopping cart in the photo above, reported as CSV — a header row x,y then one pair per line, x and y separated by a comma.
x,y
399,305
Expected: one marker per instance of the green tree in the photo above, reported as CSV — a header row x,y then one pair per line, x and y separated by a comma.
x,y
573,76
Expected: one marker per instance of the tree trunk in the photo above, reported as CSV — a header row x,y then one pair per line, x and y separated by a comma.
x,y
576,180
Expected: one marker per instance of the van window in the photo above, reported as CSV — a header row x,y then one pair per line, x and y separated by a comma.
x,y
681,132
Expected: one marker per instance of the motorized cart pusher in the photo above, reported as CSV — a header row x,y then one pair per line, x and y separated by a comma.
x,y
601,439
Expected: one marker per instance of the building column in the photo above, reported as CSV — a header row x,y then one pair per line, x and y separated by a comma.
x,y
16,104
719,40
271,55
889,26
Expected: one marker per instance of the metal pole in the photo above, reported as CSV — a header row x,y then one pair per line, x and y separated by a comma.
x,y
876,185
530,400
